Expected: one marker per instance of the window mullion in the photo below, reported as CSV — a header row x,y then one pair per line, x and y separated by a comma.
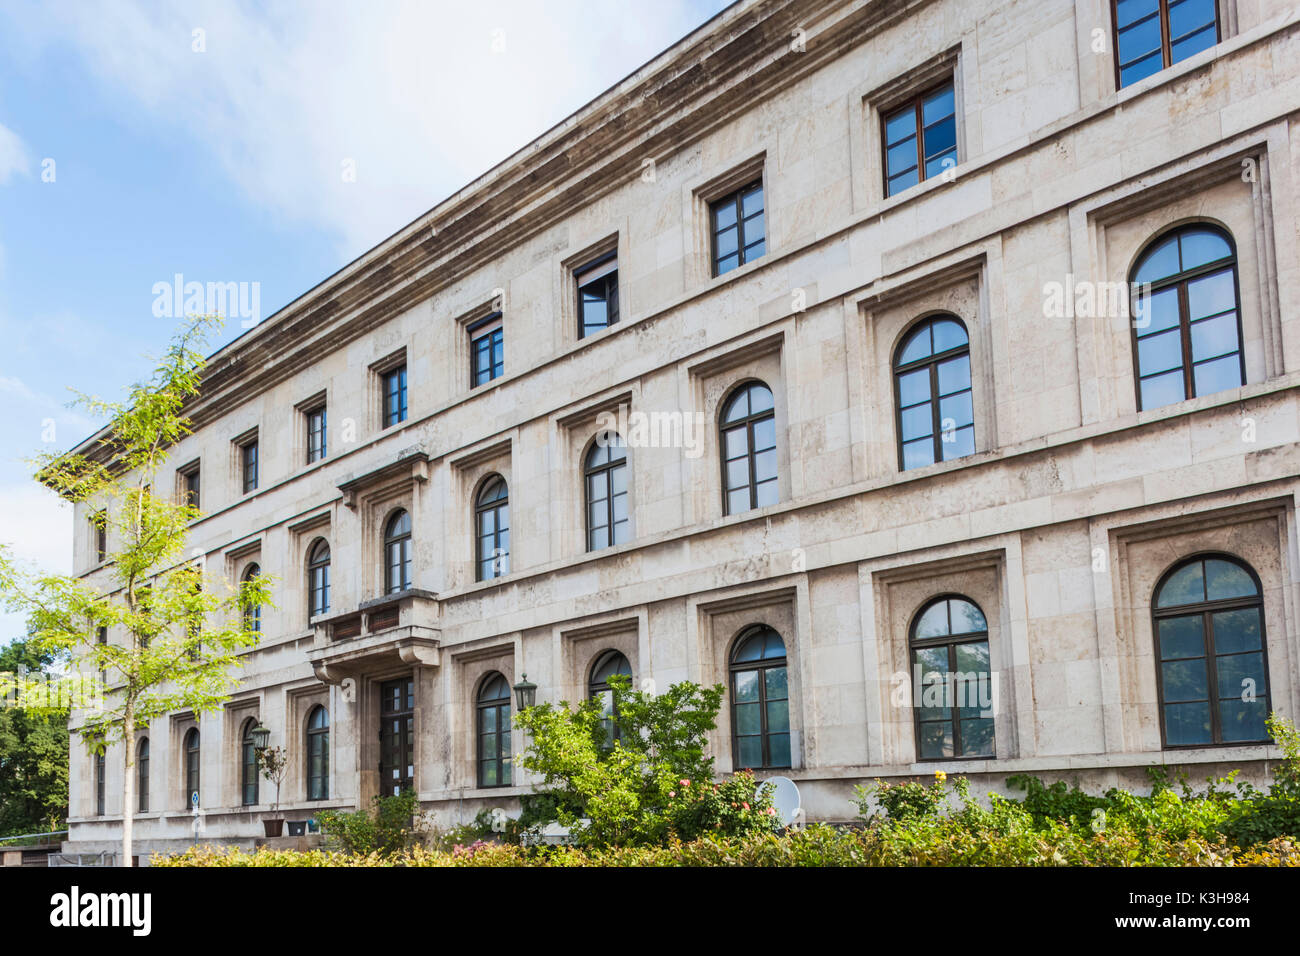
x,y
1212,677
1185,334
935,420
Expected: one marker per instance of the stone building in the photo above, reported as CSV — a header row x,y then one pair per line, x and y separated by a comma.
x,y
942,343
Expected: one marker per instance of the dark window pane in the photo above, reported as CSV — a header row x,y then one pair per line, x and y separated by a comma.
x,y
1187,724
1185,680
941,137
778,746
936,740
977,737
1236,631
1181,637
1241,676
1243,720
746,689
748,719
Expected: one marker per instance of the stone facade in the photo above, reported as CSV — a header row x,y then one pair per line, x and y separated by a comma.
x,y
1059,526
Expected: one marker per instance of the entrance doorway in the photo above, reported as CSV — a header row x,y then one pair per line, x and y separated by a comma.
x,y
396,736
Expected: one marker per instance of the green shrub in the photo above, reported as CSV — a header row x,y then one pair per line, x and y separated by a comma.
x,y
395,824
652,783
941,841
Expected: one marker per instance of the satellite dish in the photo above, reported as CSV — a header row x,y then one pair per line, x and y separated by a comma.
x,y
785,798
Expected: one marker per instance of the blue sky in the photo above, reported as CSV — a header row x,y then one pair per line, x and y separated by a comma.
x,y
140,140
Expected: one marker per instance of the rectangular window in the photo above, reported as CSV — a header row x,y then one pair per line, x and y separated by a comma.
x,y
395,396
597,295
1151,35
738,229
248,465
99,527
486,350
316,439
920,138
189,486
102,638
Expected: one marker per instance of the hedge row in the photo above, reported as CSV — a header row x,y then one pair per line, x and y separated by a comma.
x,y
939,844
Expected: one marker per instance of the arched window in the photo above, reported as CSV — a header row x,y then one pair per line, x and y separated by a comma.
x,y
605,475
248,771
318,579
1187,317
142,774
492,524
99,784
760,700
954,693
397,553
749,449
936,414
494,732
252,615
318,754
607,665
1211,657
192,766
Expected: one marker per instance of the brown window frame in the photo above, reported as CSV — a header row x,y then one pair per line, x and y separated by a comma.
x,y
1166,41
1180,281
1207,609
916,103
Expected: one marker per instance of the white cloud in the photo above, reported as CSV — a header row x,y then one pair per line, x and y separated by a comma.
x,y
412,92
13,155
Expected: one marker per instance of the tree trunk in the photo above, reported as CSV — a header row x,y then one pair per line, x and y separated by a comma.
x,y
128,780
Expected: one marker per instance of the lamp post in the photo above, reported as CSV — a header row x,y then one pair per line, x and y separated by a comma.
x,y
261,737
525,693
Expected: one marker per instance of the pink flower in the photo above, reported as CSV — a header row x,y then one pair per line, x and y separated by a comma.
x,y
745,805
686,783
771,812
672,793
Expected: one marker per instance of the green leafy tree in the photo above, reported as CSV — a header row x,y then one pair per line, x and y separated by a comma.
x,y
180,632
654,781
33,750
